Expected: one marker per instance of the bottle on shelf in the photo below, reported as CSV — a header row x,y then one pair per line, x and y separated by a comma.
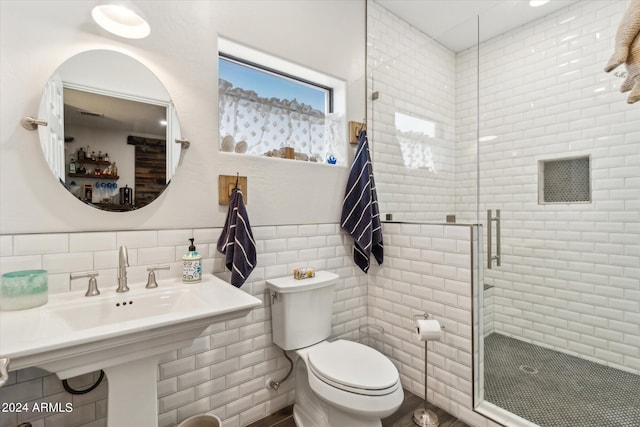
x,y
100,155
106,157
114,169
72,165
81,154
93,156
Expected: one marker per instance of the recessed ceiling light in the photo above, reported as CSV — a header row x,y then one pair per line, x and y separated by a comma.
x,y
537,3
121,21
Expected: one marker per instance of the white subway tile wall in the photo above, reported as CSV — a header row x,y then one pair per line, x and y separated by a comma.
x,y
224,371
427,266
570,274
410,282
414,76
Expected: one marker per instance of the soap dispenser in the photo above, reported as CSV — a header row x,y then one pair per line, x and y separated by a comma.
x,y
191,265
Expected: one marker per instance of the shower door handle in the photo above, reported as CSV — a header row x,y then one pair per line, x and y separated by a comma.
x,y
490,220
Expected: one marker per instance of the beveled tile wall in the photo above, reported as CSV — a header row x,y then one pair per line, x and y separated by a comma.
x,y
413,76
570,274
225,369
427,268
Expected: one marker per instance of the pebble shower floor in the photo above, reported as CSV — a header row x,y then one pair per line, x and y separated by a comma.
x,y
554,389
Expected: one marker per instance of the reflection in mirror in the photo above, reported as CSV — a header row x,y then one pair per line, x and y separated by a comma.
x,y
112,130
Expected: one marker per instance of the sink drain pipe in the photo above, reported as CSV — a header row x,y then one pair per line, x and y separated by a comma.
x,y
275,385
68,388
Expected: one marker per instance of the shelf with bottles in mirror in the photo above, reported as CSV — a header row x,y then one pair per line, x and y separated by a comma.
x,y
84,165
93,176
77,169
93,162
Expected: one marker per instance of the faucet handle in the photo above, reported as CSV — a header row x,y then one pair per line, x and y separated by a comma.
x,y
92,289
151,280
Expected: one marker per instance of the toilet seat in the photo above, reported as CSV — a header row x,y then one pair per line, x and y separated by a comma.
x,y
354,368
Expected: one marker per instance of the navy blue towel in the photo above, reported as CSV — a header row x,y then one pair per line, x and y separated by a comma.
x,y
360,213
236,241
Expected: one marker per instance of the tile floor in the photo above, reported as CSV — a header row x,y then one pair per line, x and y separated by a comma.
x,y
401,418
555,389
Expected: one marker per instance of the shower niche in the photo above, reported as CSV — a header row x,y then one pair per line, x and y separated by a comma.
x,y
566,180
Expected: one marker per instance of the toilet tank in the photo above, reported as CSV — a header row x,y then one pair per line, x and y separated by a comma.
x,y
301,310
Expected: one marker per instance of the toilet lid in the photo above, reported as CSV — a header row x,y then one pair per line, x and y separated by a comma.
x,y
350,365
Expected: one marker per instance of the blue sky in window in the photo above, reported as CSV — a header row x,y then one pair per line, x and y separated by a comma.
x,y
270,86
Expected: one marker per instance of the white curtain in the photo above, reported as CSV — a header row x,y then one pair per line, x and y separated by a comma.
x,y
267,125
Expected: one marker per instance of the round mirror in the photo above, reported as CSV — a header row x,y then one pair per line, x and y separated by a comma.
x,y
111,132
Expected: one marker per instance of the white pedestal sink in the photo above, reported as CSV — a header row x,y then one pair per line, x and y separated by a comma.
x,y
123,334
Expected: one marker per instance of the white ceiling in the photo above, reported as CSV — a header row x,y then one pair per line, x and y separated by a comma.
x,y
453,23
107,112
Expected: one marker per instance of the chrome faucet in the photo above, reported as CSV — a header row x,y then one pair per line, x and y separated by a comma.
x,y
122,270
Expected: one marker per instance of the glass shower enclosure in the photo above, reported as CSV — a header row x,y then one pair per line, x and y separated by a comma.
x,y
522,133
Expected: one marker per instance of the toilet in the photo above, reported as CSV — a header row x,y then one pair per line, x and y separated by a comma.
x,y
339,383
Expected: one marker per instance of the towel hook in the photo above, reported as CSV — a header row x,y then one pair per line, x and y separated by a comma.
x,y
237,179
363,126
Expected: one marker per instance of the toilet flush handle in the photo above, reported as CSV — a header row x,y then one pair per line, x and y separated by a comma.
x,y
274,297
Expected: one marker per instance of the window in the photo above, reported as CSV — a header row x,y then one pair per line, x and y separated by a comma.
x,y
269,107
268,83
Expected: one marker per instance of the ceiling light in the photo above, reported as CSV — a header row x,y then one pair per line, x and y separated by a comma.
x,y
121,21
537,3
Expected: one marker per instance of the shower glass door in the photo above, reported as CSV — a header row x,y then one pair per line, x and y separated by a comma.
x,y
559,157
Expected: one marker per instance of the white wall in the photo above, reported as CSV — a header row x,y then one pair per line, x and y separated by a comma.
x,y
324,35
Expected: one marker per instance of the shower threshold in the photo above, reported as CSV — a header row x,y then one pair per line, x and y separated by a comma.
x,y
502,416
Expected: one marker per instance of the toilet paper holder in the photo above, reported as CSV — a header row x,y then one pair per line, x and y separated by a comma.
x,y
422,316
422,416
